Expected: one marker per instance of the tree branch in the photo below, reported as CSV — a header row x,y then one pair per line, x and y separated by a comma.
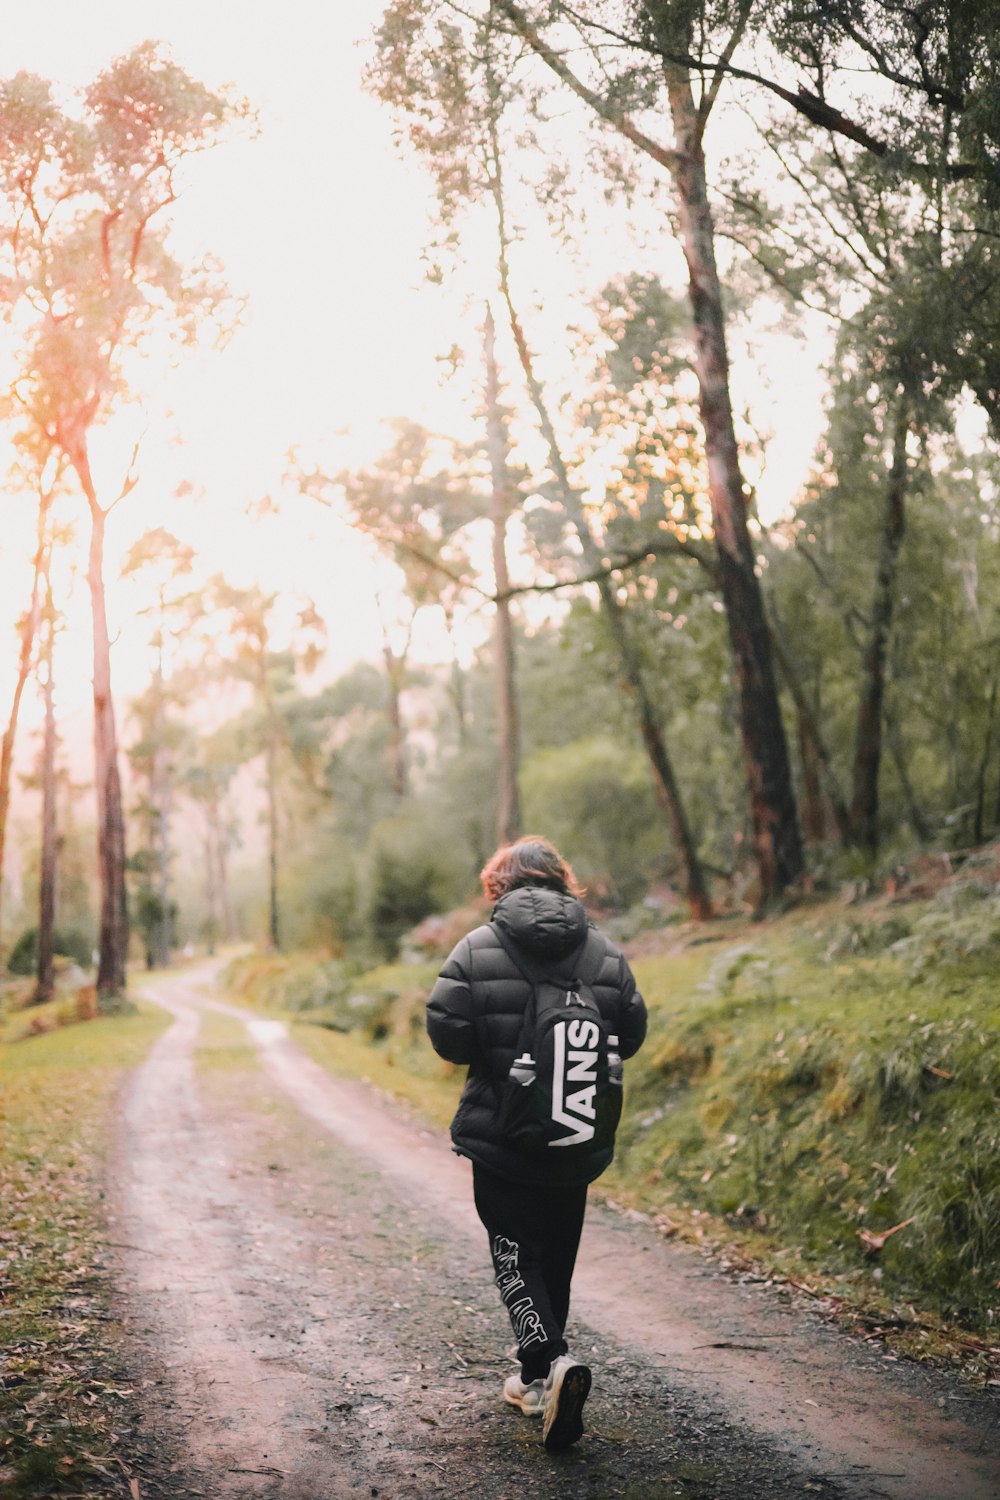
x,y
813,106
602,107
675,547
725,59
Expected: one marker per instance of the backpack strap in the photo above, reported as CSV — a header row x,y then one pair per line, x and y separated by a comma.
x,y
590,959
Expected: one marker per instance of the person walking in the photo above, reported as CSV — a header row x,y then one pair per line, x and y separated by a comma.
x,y
543,1008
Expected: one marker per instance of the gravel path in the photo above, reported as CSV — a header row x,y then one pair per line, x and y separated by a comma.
x,y
309,1314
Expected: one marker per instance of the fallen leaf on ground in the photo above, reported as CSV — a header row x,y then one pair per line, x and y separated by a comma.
x,y
874,1240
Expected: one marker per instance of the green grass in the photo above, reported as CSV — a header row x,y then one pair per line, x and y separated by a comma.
x,y
806,1083
61,1394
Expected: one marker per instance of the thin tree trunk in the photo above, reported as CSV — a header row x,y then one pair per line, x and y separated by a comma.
x,y
665,785
813,745
274,930
28,630
159,796
46,979
222,872
456,689
813,804
871,697
509,732
394,669
165,930
918,822
777,839
211,913
113,929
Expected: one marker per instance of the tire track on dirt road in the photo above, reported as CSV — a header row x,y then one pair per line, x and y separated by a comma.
x,y
704,1387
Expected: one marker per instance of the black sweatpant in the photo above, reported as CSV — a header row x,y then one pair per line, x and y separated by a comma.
x,y
534,1236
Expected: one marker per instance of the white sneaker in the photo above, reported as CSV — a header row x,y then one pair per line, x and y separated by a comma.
x,y
530,1398
566,1388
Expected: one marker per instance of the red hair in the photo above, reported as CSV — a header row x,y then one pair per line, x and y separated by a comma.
x,y
528,861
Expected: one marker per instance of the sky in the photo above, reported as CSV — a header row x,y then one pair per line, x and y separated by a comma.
x,y
321,226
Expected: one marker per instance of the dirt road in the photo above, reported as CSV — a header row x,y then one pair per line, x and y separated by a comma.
x,y
308,1305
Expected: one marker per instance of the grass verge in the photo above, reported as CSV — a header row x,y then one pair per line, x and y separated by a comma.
x,y
63,1403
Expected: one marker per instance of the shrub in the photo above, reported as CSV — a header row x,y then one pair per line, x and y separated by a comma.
x,y
70,942
594,800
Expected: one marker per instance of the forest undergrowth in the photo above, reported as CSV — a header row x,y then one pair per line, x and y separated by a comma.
x,y
818,1099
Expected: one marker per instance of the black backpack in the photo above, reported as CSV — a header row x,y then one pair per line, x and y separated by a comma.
x,y
564,1088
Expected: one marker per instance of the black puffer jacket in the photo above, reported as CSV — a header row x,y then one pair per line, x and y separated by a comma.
x,y
475,1012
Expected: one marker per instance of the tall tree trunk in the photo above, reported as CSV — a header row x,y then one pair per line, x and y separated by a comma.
x,y
46,979
871,697
665,785
509,731
777,839
27,630
113,930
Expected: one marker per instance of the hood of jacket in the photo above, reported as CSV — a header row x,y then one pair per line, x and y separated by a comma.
x,y
546,923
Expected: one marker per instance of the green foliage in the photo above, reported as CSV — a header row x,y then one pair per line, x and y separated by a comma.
x,y
595,798
70,942
412,873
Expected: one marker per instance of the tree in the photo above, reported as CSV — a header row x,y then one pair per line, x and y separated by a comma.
x,y
205,777
509,825
27,630
270,674
670,29
858,245
159,559
413,72
646,308
414,502
45,981
91,282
